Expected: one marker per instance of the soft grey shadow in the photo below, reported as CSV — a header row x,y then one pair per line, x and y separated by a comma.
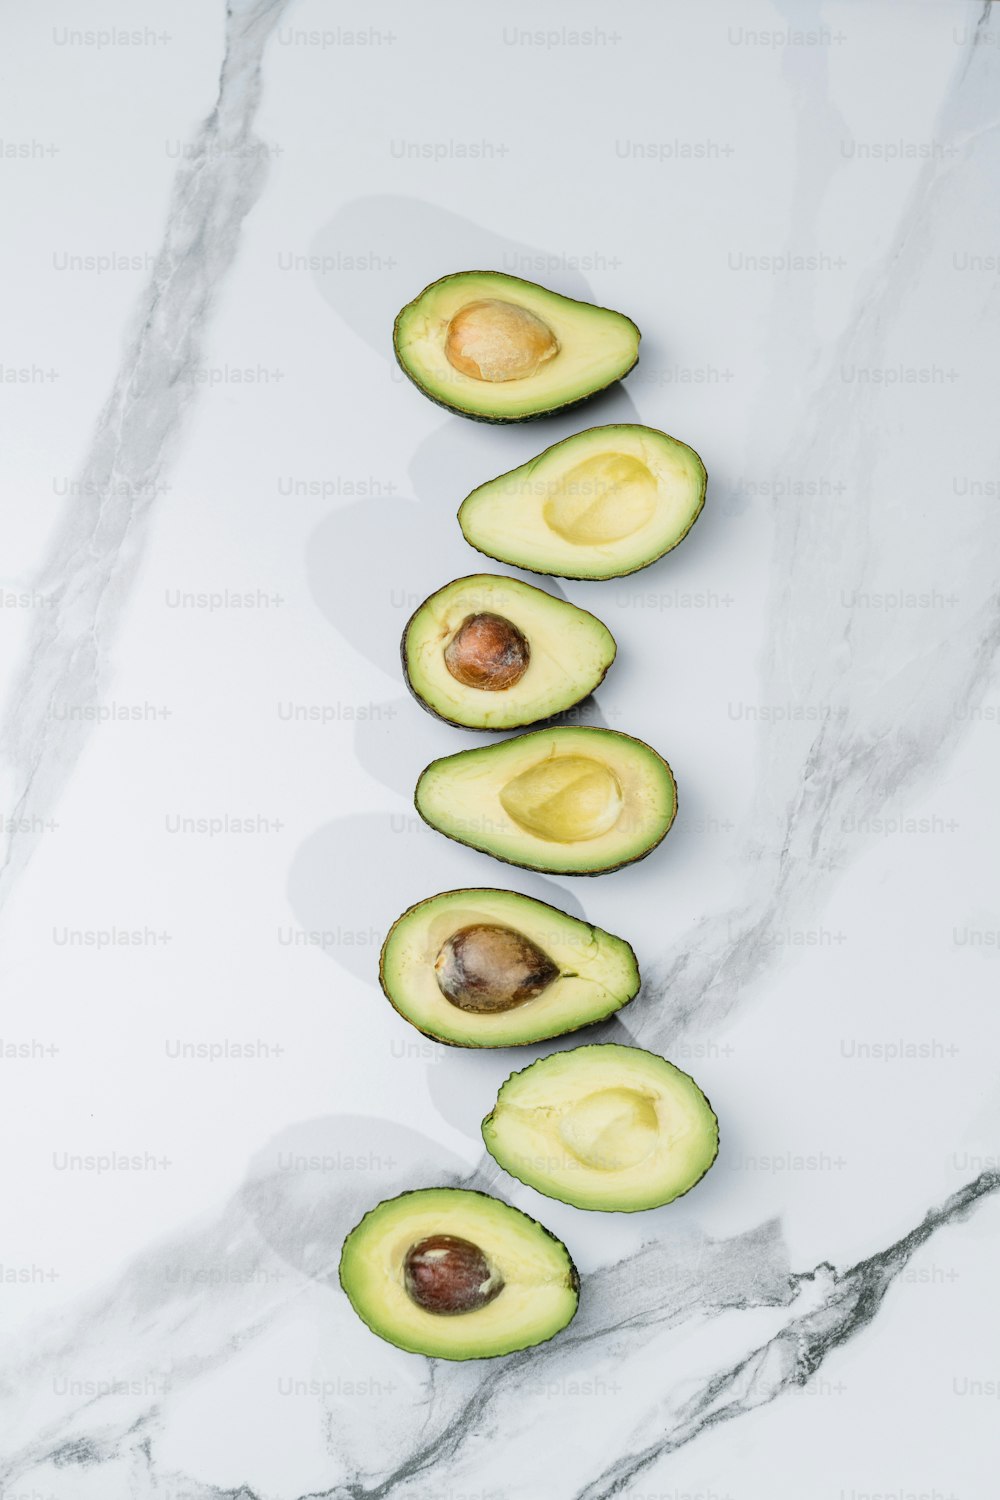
x,y
460,455
357,874
396,739
401,239
307,1187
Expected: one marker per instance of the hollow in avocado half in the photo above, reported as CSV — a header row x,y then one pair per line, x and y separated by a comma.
x,y
600,504
605,1127
571,800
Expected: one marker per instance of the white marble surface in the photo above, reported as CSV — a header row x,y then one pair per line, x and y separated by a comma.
x,y
223,500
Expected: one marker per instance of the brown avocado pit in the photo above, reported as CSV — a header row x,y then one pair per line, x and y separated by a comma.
x,y
487,651
447,1275
487,967
496,340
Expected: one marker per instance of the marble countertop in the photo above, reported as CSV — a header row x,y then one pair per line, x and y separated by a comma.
x,y
224,501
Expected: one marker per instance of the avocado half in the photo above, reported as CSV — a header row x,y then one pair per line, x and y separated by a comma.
x,y
491,968
604,1127
456,1274
600,504
571,800
486,652
500,349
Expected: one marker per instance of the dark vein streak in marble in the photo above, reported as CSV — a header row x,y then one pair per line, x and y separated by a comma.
x,y
796,1353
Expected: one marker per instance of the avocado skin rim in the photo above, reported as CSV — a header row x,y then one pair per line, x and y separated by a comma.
x,y
646,1208
520,864
481,1046
530,416
486,728
573,1278
586,577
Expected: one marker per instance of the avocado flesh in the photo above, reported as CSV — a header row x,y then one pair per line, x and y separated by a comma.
x,y
538,1283
568,653
604,1127
575,801
596,972
536,351
600,504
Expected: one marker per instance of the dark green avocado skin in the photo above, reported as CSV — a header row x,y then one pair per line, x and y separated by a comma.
x,y
572,1276
547,869
475,416
581,577
474,1046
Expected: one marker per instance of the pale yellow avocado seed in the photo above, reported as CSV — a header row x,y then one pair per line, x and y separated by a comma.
x,y
496,340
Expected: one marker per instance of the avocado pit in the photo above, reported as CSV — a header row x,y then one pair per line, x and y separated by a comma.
x,y
495,340
447,1275
488,652
490,968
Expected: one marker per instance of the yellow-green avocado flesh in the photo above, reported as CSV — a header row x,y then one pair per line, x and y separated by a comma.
x,y
596,972
567,652
600,504
581,348
571,800
604,1127
540,1285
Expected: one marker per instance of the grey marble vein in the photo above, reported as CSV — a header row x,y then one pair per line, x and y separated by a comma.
x,y
100,540
442,1421
890,692
850,1300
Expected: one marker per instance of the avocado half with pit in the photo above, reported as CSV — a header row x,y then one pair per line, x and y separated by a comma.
x,y
487,652
604,1127
574,801
600,504
457,1275
491,968
501,349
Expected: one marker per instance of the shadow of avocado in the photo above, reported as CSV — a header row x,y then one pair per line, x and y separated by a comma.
x,y
359,873
307,1187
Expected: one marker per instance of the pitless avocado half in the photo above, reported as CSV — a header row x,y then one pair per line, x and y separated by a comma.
x,y
604,1127
600,504
491,968
457,1275
574,801
486,652
501,349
